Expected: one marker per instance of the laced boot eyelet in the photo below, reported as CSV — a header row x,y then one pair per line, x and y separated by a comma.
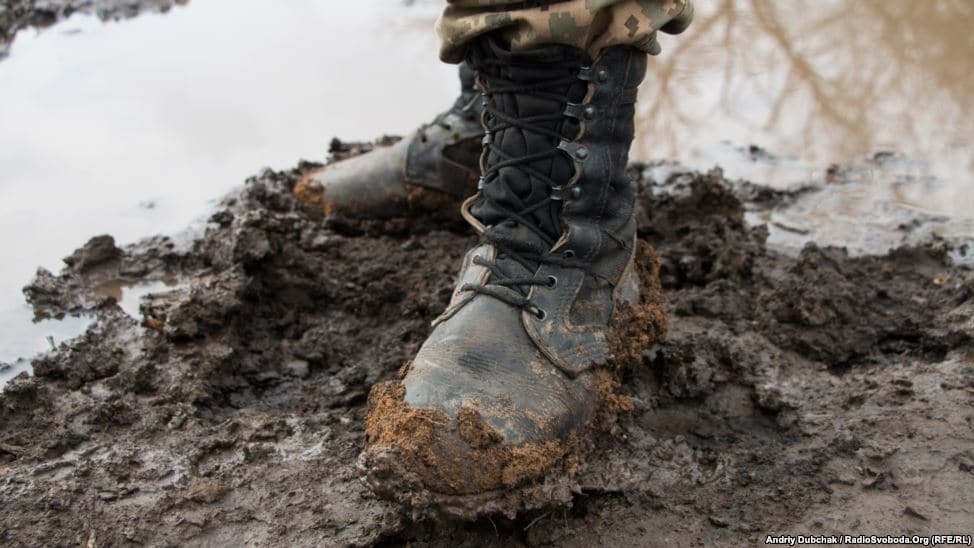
x,y
574,149
569,254
538,312
552,281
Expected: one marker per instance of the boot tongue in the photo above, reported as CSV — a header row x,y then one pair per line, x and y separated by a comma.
x,y
514,188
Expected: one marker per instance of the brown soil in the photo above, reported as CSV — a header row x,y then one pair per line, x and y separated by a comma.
x,y
811,394
637,327
427,450
612,403
475,431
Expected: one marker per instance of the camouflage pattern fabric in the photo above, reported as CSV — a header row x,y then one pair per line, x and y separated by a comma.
x,y
586,24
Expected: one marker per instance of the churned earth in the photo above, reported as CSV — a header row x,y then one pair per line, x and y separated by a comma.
x,y
17,15
817,394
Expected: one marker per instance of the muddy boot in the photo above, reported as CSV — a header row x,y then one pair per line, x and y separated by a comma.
x,y
430,172
501,399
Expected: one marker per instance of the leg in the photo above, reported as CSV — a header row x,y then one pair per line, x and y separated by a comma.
x,y
589,25
555,299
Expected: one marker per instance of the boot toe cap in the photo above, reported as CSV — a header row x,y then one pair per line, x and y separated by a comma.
x,y
479,409
371,185
411,449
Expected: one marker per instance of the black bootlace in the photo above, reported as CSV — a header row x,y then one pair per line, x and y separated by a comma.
x,y
495,121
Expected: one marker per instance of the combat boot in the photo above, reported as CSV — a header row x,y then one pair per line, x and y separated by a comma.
x,y
550,304
431,171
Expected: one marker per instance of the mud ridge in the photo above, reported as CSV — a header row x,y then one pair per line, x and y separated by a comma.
x,y
802,394
17,15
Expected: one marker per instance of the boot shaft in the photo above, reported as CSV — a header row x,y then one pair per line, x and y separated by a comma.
x,y
558,129
555,207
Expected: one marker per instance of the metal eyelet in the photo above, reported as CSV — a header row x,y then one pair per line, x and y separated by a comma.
x,y
552,281
569,254
538,312
557,193
576,192
573,149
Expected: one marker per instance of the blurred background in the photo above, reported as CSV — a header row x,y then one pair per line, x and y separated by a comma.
x,y
136,127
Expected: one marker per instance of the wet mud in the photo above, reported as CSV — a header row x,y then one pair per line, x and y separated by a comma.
x,y
822,393
17,15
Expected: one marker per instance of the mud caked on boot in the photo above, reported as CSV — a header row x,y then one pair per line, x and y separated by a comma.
x,y
492,413
430,172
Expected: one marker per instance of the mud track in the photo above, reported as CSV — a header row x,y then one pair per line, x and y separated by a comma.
x,y
818,394
17,15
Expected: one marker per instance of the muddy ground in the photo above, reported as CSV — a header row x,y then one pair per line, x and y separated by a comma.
x,y
820,394
17,15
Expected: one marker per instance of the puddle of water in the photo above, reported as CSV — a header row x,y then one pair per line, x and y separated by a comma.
x,y
819,82
131,128
129,294
867,213
134,128
23,338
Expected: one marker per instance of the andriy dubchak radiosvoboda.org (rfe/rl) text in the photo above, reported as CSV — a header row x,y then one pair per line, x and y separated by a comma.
x,y
901,540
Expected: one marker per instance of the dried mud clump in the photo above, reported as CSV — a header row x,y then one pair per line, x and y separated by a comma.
x,y
635,328
204,491
310,192
410,449
475,431
611,403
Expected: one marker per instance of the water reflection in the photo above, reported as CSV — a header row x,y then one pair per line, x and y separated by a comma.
x,y
822,82
130,128
22,337
129,294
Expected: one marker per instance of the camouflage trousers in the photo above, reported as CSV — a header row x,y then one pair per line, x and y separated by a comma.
x,y
586,24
